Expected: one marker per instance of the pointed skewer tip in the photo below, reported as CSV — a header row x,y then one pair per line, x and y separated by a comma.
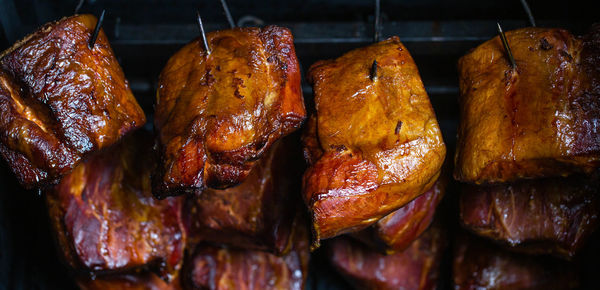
x,y
376,23
202,32
507,49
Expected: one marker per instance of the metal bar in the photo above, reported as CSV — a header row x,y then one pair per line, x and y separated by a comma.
x,y
79,5
528,11
202,32
466,32
506,46
377,20
227,14
96,30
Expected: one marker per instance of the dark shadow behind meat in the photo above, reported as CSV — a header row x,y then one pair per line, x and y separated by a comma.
x,y
546,216
107,220
216,115
417,267
61,100
259,214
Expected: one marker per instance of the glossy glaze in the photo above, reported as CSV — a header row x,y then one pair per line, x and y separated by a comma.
x,y
218,114
554,215
396,231
417,267
106,218
213,267
373,145
480,265
260,213
541,120
134,281
60,100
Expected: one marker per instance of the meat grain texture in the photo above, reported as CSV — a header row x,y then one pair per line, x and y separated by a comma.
x,y
546,216
106,219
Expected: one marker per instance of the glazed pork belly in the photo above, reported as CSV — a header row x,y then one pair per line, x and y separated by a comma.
x,y
219,267
61,100
541,119
106,219
396,231
545,216
218,113
133,281
259,214
480,265
417,267
373,144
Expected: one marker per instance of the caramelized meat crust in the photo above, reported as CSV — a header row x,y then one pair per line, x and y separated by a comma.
x,y
396,231
60,100
480,265
106,218
213,267
417,267
217,114
134,281
260,213
542,216
542,119
374,143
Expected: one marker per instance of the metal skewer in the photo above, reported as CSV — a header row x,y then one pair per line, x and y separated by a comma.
x,y
203,33
377,20
79,5
228,14
376,24
528,11
506,46
92,41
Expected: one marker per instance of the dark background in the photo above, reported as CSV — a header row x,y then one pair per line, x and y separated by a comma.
x,y
144,34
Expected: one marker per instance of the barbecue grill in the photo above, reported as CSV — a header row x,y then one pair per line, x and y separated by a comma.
x,y
144,34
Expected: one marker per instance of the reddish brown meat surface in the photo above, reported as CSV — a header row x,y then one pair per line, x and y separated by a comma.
x,y
218,114
60,100
480,265
374,143
134,281
553,215
260,213
106,218
417,267
540,120
213,267
396,231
